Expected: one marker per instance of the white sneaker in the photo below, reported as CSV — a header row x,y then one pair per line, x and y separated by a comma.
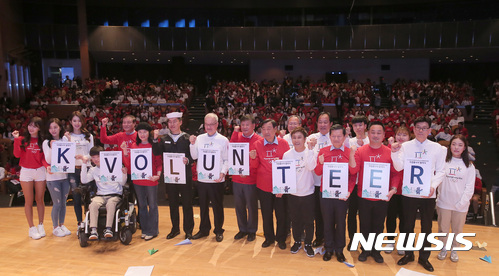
x,y
33,233
390,247
453,256
41,230
65,230
442,254
58,232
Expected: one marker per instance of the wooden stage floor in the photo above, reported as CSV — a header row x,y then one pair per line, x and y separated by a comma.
x,y
63,256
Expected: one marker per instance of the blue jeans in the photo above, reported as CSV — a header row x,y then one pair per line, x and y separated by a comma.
x,y
59,190
147,196
75,181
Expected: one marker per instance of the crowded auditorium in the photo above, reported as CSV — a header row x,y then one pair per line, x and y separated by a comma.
x,y
223,137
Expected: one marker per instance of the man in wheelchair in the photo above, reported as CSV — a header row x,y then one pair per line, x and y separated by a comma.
x,y
108,193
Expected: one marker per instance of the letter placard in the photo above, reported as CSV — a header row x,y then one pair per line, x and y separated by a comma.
x,y
417,177
376,180
110,166
63,157
141,163
174,168
239,159
284,176
209,164
335,180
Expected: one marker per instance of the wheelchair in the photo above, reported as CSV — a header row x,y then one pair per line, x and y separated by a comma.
x,y
125,217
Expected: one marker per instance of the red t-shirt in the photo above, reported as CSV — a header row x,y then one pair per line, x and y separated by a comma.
x,y
263,161
237,137
157,165
32,156
339,156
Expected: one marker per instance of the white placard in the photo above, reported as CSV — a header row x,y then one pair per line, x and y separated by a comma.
x,y
284,176
174,168
141,164
376,180
209,164
417,177
335,180
63,157
239,159
110,166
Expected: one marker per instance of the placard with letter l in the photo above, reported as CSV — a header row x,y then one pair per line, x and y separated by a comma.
x,y
417,177
239,159
141,163
209,164
110,166
335,180
174,168
284,176
376,180
63,157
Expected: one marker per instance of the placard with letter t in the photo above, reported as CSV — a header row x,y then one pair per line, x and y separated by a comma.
x,y
335,180
239,159
417,177
284,176
111,163
376,180
174,168
63,157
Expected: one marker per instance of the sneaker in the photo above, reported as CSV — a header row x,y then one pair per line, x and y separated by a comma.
x,y
109,234
150,237
41,230
65,230
143,236
33,233
453,256
309,250
389,249
442,254
93,234
58,232
296,247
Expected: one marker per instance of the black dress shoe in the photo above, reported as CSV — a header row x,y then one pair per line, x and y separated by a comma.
x,y
219,237
377,257
282,245
363,256
240,235
267,243
406,259
327,256
251,237
188,236
172,234
199,235
340,257
318,242
426,264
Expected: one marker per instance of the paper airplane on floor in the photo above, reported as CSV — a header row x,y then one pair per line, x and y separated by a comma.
x,y
184,242
152,251
488,259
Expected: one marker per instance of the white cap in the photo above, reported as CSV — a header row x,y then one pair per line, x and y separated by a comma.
x,y
172,115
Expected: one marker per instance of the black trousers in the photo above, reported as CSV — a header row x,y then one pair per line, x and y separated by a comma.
x,y
334,212
269,204
302,210
181,193
214,193
246,205
394,211
319,224
426,208
353,207
372,216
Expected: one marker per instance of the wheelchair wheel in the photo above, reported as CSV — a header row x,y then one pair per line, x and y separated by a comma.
x,y
83,239
133,221
125,236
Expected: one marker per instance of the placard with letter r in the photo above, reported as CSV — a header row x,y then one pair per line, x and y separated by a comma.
x,y
417,177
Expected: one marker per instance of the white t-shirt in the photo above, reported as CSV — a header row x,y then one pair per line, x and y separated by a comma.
x,y
457,187
305,165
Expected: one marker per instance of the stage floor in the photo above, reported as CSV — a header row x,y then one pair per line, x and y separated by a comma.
x,y
63,256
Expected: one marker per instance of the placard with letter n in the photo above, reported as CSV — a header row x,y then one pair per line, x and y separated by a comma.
x,y
63,157
376,180
209,164
284,176
141,163
335,180
110,166
417,177
174,168
239,159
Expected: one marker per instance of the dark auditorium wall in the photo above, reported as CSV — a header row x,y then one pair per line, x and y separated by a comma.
x,y
481,75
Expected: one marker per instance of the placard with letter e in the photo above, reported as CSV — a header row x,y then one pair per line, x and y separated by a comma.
x,y
239,159
110,166
140,163
284,176
335,180
209,164
417,177
376,180
174,168
63,157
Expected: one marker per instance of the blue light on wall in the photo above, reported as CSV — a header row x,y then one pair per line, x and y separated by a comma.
x,y
164,24
125,24
180,23
106,23
192,23
145,23
207,23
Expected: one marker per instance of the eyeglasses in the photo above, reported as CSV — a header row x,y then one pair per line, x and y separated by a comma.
x,y
422,128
